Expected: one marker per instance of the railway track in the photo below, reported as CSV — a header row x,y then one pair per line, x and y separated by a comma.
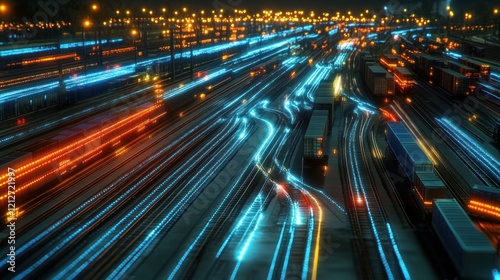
x,y
179,141
461,192
220,222
165,205
369,221
361,249
442,169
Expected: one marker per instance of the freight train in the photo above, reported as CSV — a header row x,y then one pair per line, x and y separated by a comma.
x,y
438,71
426,184
378,80
469,249
403,79
484,69
57,156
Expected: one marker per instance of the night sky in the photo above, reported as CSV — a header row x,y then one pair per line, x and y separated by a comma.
x,y
317,5
72,8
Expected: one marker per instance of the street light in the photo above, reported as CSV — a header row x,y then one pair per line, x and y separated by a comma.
x,y
134,32
450,15
3,9
95,9
85,24
495,12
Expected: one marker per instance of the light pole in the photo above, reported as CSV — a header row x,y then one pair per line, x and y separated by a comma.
x,y
497,28
467,16
450,15
134,32
3,9
85,24
95,9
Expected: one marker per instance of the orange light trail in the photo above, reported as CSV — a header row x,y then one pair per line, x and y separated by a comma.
x,y
318,236
426,203
485,208
58,156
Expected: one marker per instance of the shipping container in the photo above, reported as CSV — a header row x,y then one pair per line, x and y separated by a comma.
x,y
92,135
378,81
403,79
390,84
389,61
426,62
484,201
428,187
67,137
315,136
15,160
484,69
364,61
41,148
464,69
470,251
324,99
108,126
70,147
454,83
408,153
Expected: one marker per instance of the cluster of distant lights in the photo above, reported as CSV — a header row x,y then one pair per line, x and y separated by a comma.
x,y
102,76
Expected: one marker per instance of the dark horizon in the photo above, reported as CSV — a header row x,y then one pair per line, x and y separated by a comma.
x,y
16,10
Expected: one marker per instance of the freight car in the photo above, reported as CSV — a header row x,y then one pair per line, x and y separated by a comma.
x,y
408,153
483,68
484,201
41,163
403,79
428,187
469,250
453,82
378,80
389,62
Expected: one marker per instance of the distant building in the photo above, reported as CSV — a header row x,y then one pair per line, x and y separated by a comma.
x,y
440,7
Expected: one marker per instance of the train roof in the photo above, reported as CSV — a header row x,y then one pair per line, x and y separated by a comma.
x,y
403,70
470,238
484,188
454,73
430,179
377,69
316,127
416,153
483,64
461,65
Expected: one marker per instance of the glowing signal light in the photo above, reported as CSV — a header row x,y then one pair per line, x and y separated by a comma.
x,y
359,200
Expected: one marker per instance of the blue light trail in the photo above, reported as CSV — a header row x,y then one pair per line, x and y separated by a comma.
x,y
94,198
